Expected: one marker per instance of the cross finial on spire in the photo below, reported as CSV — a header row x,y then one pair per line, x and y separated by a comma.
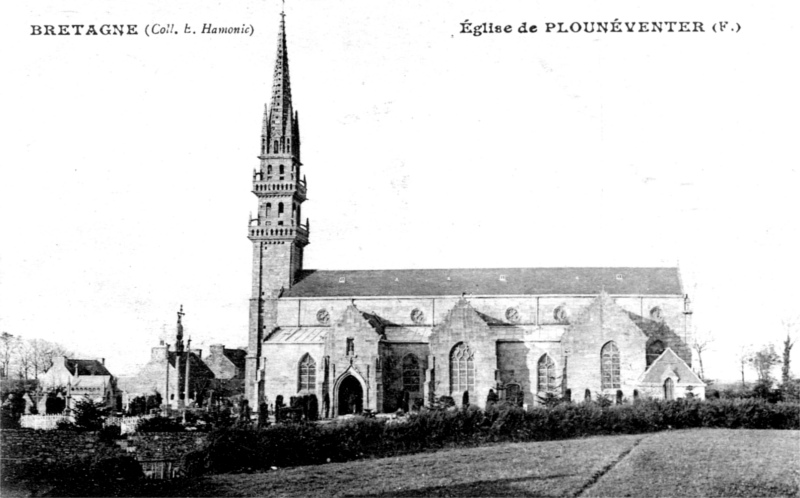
x,y
283,8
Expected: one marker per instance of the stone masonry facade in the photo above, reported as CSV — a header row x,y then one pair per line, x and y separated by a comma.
x,y
387,339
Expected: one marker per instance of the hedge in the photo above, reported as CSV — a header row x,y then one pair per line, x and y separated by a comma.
x,y
284,445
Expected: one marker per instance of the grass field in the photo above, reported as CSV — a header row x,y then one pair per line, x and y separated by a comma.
x,y
701,462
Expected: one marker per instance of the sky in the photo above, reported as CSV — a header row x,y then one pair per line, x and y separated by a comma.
x,y
127,165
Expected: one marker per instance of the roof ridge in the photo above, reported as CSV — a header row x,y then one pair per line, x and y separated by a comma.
x,y
315,270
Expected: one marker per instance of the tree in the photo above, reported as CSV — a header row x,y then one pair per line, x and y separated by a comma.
x,y
762,361
745,357
788,343
700,343
9,345
37,355
89,415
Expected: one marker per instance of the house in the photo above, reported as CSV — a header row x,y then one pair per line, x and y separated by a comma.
x,y
81,379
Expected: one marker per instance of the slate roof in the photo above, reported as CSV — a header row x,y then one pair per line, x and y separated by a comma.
x,y
486,281
660,331
237,356
668,363
87,367
291,335
198,366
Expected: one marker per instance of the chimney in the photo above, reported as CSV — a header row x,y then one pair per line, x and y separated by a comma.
x,y
102,361
198,352
159,353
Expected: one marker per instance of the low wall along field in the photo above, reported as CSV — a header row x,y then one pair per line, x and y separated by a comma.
x,y
24,445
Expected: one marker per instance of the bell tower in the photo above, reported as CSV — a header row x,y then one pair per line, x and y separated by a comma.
x,y
276,232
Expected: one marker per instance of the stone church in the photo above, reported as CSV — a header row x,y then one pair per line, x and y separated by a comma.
x,y
386,339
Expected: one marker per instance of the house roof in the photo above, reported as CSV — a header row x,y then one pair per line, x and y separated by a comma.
x,y
87,381
197,364
86,367
667,365
487,281
237,356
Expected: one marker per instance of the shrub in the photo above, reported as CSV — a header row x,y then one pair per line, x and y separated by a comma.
x,y
302,443
118,469
110,433
88,415
66,425
8,419
160,424
115,476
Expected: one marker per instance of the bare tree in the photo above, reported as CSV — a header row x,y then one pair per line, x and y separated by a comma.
x,y
700,344
36,356
9,346
745,357
24,360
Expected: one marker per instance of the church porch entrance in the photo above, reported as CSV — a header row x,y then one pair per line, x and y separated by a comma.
x,y
350,396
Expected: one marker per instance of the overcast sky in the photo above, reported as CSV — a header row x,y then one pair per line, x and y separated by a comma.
x,y
127,161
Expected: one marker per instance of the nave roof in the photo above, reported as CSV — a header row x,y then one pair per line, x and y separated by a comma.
x,y
487,281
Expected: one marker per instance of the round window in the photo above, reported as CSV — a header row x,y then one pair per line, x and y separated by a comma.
x,y
417,316
512,315
560,314
656,313
323,317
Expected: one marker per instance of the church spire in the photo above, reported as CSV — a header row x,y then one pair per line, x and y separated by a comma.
x,y
281,133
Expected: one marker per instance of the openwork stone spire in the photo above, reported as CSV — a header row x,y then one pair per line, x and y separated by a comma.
x,y
281,134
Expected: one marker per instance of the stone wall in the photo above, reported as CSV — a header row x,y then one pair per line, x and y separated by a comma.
x,y
50,446
601,323
20,445
518,362
464,326
163,445
531,310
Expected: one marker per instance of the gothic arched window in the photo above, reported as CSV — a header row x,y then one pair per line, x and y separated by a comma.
x,y
669,390
280,208
411,374
275,147
269,169
269,209
546,370
280,169
462,369
609,366
307,374
654,350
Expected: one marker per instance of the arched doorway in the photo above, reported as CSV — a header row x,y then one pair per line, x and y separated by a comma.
x,y
669,392
351,396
